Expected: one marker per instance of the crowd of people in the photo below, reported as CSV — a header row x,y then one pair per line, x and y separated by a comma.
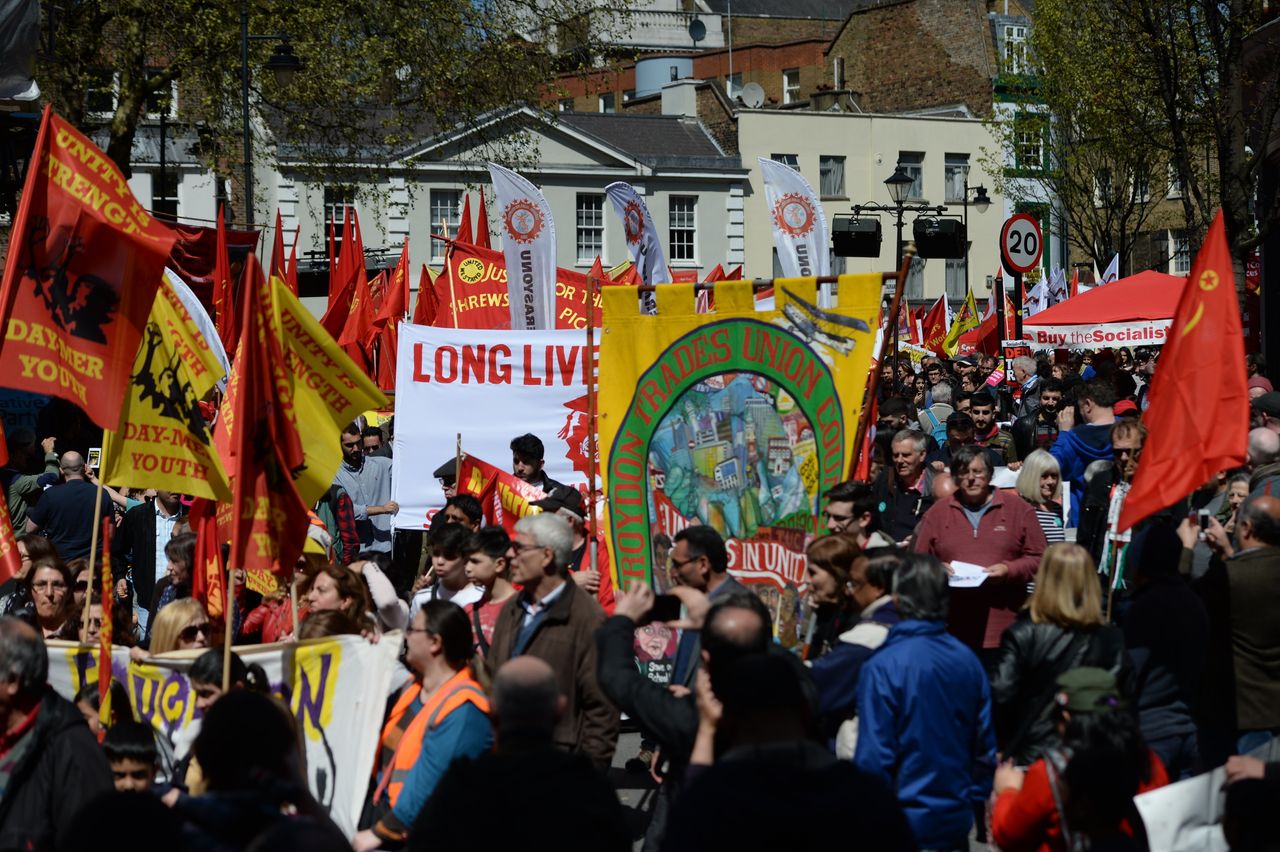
x,y
985,656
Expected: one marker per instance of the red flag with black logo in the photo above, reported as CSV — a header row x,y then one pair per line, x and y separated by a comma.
x,y
1201,371
84,263
270,520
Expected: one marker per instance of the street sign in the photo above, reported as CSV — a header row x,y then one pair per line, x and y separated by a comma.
x,y
1021,243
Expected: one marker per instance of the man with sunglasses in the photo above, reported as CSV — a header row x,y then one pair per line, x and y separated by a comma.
x,y
1104,497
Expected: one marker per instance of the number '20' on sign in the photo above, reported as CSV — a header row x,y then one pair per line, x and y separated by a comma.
x,y
1021,243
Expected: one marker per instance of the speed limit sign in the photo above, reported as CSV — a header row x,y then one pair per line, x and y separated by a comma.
x,y
1021,243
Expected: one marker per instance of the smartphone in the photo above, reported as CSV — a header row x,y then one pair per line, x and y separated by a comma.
x,y
665,608
94,459
1203,516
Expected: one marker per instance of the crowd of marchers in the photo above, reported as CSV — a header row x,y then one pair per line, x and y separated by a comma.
x,y
985,655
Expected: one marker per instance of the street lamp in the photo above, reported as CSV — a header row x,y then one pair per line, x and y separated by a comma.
x,y
283,63
981,202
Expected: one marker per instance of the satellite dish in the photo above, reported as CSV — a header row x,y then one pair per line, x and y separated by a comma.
x,y
697,30
752,95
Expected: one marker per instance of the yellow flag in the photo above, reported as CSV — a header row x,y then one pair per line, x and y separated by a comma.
x,y
329,391
966,319
162,440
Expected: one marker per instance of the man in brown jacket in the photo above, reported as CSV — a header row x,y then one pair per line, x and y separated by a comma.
x,y
554,620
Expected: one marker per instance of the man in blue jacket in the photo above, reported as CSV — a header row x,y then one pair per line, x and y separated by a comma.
x,y
924,711
1078,447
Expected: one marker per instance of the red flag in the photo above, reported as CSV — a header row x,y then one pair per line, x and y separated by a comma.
x,y
735,275
208,570
935,326
482,224
1075,284
360,319
278,267
349,271
396,300
862,470
10,560
84,263
270,520
333,258
291,272
464,227
1201,370
225,317
388,350
427,305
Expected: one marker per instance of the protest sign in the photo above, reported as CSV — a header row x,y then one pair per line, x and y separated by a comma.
x,y
473,292
504,498
337,688
739,419
490,386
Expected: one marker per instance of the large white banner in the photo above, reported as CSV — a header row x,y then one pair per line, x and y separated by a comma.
x,y
337,688
529,245
490,386
799,225
642,236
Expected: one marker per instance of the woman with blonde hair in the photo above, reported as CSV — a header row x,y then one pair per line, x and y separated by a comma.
x,y
1040,484
1060,629
180,626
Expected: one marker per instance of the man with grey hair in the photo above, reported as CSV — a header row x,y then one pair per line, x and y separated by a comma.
x,y
1264,462
924,711
555,620
65,512
50,764
907,487
1024,370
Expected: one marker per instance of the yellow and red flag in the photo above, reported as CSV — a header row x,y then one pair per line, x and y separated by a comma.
x,y
208,571
1201,370
84,262
10,559
108,594
966,319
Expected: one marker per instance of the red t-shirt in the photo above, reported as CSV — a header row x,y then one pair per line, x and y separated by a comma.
x,y
488,618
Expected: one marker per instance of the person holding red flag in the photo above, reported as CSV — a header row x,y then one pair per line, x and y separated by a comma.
x,y
1202,370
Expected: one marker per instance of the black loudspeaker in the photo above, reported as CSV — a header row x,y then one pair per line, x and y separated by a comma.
x,y
939,237
856,237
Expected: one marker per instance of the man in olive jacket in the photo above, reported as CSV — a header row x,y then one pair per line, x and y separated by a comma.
x,y
554,620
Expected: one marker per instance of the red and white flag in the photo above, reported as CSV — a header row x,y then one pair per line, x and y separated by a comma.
x,y
799,225
529,245
642,236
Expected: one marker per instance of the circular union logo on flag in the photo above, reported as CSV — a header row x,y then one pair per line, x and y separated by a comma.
x,y
523,220
471,270
793,214
633,221
1208,280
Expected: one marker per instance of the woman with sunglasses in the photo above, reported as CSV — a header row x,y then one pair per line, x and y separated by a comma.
x,y
51,590
182,625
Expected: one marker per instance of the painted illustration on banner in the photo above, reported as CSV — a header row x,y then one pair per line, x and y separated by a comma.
x,y
739,420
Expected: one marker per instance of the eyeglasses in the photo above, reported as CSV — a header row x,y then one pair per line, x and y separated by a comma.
x,y
680,563
521,548
82,585
190,633
368,451
417,630
1126,451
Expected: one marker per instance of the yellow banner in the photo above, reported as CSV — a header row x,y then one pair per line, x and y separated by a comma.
x,y
162,441
966,319
739,419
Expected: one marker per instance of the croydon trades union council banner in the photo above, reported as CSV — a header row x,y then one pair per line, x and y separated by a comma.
x,y
739,419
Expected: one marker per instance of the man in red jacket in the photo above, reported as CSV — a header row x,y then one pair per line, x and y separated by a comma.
x,y
993,529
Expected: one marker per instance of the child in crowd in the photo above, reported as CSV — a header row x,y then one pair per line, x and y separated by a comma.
x,y
446,580
131,750
487,567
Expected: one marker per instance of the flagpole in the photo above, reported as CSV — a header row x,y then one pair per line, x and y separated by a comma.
x,y
229,629
453,297
593,285
873,384
457,462
93,553
293,601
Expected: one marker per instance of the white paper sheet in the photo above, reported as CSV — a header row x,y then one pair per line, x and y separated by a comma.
x,y
967,575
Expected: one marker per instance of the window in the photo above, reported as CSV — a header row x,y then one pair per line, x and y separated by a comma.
x,y
1175,183
336,203
1141,188
165,100
590,227
1015,50
912,164
164,195
955,170
955,278
733,84
831,177
446,215
792,160
566,104
1101,187
100,93
790,85
1179,253
682,215
837,71
606,102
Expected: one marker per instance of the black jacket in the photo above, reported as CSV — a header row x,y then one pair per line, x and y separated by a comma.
x,y
1093,513
61,770
1024,432
134,548
1032,657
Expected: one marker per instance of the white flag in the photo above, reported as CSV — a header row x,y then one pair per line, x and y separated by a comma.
x,y
201,318
642,236
1037,300
1113,270
1057,287
799,225
529,245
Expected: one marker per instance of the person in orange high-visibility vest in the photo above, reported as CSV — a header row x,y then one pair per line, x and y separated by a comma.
x,y
450,719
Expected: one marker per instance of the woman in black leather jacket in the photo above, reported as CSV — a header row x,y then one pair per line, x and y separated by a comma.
x,y
1061,629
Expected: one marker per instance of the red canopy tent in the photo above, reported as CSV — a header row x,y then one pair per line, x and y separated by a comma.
x,y
1133,311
